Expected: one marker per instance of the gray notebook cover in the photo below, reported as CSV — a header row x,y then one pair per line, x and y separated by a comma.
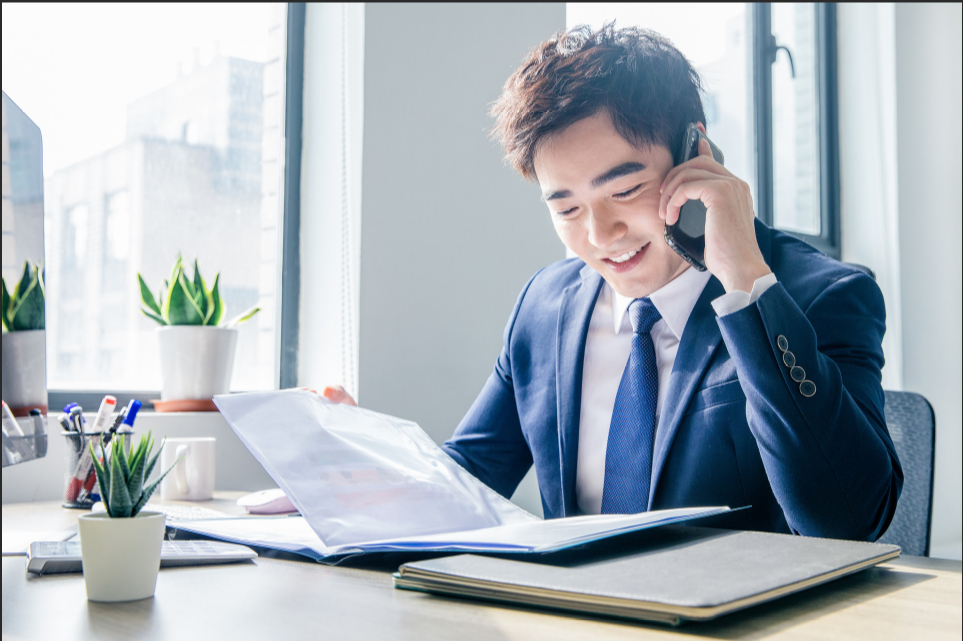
x,y
676,573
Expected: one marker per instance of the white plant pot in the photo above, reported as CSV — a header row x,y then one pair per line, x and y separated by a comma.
x,y
196,361
25,370
121,557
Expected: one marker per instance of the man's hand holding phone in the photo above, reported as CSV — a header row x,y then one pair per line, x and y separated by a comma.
x,y
731,251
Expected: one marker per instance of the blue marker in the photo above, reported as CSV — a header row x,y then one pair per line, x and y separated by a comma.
x,y
132,409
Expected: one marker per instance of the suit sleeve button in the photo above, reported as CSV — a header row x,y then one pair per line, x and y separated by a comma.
x,y
807,388
782,343
789,359
798,374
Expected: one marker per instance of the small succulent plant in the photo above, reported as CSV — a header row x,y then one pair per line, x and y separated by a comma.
x,y
23,309
122,473
188,301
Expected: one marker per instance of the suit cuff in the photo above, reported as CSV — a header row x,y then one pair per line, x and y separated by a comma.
x,y
734,301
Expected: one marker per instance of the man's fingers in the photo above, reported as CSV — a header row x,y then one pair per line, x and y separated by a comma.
x,y
705,160
693,190
672,188
337,394
704,148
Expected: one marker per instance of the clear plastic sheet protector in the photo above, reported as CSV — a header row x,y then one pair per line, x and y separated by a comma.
x,y
368,482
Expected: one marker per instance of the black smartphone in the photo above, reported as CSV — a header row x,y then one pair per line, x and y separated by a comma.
x,y
688,235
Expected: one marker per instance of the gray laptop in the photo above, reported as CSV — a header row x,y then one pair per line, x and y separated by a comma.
x,y
669,575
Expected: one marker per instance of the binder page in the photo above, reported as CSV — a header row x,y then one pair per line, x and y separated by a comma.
x,y
542,536
287,533
358,476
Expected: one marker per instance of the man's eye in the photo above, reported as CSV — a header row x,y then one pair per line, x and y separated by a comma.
x,y
627,193
567,211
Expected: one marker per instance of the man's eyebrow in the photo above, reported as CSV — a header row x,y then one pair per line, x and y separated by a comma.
x,y
618,171
624,169
556,195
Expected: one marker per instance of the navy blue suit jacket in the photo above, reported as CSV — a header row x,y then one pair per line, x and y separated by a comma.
x,y
735,429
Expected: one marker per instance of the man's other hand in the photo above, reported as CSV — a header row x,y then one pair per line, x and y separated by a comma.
x,y
337,394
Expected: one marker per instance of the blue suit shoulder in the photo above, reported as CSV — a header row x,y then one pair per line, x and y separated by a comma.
x,y
806,273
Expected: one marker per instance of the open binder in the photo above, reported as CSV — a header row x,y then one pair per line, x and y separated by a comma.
x,y
367,482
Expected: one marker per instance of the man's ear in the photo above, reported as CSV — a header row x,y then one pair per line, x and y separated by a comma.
x,y
702,128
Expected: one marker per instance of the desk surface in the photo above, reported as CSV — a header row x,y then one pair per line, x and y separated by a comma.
x,y
911,598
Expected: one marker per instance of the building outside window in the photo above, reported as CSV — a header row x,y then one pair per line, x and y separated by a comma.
x,y
174,146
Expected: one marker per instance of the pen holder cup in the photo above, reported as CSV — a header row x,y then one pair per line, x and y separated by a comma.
x,y
19,449
80,478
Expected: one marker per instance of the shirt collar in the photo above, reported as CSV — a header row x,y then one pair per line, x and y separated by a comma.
x,y
674,300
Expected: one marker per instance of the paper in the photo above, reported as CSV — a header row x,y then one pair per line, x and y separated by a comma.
x,y
542,536
287,533
368,482
360,476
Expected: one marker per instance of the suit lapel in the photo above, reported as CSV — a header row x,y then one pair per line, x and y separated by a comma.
x,y
699,341
575,312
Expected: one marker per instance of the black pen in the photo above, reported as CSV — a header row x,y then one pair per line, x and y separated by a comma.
x,y
37,418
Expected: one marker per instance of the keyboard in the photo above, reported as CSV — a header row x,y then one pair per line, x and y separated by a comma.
x,y
58,557
176,512
186,512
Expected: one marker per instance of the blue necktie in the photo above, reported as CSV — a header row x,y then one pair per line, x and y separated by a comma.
x,y
628,456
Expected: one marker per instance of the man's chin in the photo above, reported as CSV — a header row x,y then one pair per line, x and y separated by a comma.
x,y
644,279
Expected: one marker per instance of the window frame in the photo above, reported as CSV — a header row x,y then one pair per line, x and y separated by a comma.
x,y
289,241
763,56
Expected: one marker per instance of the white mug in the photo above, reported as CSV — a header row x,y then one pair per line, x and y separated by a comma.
x,y
192,479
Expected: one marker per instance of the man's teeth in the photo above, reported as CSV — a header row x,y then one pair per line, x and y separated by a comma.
x,y
624,257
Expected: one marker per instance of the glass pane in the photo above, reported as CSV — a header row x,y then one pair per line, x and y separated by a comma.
x,y
715,39
161,129
795,120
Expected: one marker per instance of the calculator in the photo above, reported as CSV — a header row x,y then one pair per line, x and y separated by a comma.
x,y
59,557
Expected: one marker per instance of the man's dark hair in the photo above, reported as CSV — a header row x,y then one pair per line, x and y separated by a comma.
x,y
648,87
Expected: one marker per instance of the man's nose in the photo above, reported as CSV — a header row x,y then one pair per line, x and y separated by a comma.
x,y
605,227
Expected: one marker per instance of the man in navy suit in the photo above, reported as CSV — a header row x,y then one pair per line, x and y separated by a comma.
x,y
763,376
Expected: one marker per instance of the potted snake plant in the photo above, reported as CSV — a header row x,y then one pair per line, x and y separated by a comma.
x,y
121,546
24,337
196,344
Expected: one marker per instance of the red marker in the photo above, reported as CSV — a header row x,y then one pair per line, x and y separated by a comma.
x,y
82,482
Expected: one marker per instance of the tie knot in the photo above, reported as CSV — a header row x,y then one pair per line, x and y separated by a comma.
x,y
643,315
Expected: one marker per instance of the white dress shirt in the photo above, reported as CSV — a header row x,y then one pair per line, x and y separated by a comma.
x,y
607,349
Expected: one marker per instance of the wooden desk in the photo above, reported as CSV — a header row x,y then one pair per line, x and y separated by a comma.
x,y
912,598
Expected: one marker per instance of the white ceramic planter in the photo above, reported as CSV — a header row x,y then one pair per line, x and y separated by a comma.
x,y
25,370
196,362
121,557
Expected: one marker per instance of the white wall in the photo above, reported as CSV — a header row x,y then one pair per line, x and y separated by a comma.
x,y
450,235
929,48
869,204
900,150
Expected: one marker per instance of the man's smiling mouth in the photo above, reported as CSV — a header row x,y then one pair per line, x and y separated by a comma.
x,y
624,257
626,261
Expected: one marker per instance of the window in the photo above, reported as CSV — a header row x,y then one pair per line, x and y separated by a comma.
x,y
794,55
164,133
795,122
775,120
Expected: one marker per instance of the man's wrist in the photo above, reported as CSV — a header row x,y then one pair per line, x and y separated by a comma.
x,y
742,279
737,300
